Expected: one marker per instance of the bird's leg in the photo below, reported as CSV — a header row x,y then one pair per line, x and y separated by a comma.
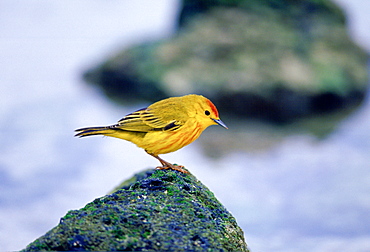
x,y
167,165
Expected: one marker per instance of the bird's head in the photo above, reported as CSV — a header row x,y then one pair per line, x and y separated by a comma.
x,y
206,111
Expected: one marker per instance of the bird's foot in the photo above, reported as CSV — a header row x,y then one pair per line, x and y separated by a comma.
x,y
172,167
166,165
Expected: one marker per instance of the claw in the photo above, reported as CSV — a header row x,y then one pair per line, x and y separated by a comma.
x,y
172,167
166,165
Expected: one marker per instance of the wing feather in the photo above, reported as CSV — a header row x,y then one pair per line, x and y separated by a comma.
x,y
144,120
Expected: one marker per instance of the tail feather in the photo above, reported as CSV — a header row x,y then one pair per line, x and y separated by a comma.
x,y
91,131
112,131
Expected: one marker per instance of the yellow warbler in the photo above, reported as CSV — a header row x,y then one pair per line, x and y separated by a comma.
x,y
164,126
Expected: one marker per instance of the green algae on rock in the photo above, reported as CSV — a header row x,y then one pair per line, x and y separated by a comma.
x,y
275,60
157,210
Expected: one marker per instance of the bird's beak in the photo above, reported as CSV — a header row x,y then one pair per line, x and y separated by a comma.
x,y
221,123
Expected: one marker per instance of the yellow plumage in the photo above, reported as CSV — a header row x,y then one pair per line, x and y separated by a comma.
x,y
164,126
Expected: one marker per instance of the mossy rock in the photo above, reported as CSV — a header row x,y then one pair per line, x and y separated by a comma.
x,y
157,210
275,60
298,8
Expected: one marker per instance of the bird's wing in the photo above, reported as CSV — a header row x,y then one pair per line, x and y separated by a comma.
x,y
145,120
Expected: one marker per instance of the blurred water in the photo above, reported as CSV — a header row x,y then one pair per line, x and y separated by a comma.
x,y
301,195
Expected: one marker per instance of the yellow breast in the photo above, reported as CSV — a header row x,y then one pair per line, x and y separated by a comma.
x,y
162,142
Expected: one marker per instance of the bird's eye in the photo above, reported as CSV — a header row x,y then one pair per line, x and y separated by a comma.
x,y
207,112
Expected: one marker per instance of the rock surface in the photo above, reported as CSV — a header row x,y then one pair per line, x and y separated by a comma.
x,y
156,210
275,60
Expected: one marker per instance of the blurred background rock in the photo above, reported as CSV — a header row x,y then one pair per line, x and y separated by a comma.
x,y
274,61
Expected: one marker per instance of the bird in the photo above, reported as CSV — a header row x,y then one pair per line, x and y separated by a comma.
x,y
163,127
